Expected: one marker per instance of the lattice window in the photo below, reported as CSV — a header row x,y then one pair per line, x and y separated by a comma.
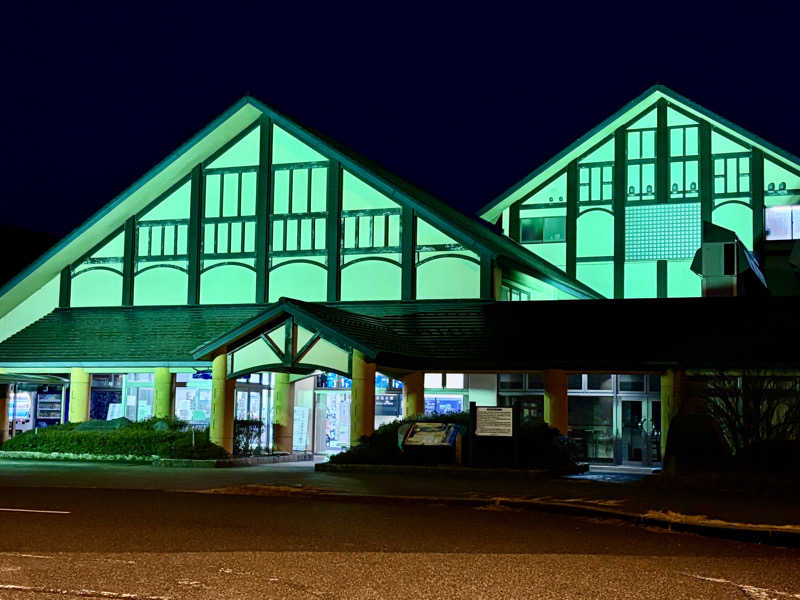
x,y
662,231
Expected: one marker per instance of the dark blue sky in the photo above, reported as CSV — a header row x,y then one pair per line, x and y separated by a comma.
x,y
462,99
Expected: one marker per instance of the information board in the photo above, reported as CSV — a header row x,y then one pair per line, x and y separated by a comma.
x,y
494,421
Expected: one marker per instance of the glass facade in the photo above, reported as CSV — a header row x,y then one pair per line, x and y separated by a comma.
x,y
612,418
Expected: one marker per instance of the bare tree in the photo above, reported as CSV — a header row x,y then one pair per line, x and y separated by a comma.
x,y
753,407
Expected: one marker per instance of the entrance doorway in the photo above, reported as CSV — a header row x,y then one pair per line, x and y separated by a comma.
x,y
331,421
253,403
640,421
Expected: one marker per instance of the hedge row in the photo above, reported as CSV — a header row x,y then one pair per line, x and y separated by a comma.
x,y
137,440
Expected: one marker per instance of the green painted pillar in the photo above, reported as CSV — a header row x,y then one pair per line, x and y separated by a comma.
x,y
362,398
5,394
222,404
670,402
282,413
413,394
556,405
162,393
80,395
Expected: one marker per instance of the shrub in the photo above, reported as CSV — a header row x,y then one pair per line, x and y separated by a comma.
x,y
246,436
138,439
540,446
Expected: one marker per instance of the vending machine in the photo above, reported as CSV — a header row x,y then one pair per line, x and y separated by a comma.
x,y
49,400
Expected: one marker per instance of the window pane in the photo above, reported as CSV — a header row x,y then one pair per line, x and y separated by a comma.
x,y
554,229
454,380
433,380
535,381
511,381
590,421
531,229
600,381
575,382
654,383
779,223
631,383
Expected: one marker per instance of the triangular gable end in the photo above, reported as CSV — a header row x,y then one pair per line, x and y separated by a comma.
x,y
234,139
636,113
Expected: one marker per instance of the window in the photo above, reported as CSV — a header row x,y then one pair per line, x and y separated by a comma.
x,y
631,383
511,381
433,380
454,381
535,381
575,382
782,222
599,381
543,229
510,293
443,404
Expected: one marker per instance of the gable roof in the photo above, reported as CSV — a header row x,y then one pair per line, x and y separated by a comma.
x,y
244,113
491,212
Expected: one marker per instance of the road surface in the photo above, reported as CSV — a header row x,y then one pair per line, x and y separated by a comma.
x,y
147,544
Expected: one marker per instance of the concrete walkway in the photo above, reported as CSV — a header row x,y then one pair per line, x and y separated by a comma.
x,y
645,499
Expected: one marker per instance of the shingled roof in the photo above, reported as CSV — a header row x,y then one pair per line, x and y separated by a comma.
x,y
701,333
468,335
149,335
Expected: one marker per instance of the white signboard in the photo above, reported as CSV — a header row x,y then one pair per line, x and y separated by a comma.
x,y
494,421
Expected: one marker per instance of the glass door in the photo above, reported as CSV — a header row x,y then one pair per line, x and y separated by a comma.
x,y
633,443
332,421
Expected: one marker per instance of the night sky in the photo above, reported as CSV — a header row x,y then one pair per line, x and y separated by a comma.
x,y
460,99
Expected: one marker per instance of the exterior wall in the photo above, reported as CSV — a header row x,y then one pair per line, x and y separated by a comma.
x,y
269,216
32,309
626,217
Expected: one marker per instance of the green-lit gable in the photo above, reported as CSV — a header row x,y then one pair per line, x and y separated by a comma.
x,y
256,208
621,210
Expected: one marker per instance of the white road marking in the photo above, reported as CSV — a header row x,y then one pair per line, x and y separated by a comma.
x,y
80,593
752,591
25,555
32,510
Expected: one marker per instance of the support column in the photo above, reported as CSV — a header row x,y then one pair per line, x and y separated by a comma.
x,y
283,413
162,393
80,395
671,383
414,394
362,398
5,394
223,392
555,400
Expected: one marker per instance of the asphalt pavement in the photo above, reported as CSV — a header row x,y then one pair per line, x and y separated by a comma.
x,y
633,496
147,545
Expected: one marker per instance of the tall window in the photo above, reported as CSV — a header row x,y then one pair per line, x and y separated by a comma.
x,y
229,224
97,278
371,256
297,255
162,261
641,154
684,156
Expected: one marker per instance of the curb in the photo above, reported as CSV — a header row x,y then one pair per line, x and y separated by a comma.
x,y
447,471
185,463
774,536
